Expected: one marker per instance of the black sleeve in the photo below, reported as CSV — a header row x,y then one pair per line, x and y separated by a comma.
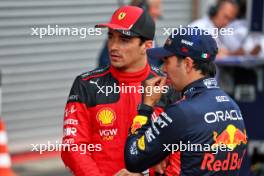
x,y
77,92
146,145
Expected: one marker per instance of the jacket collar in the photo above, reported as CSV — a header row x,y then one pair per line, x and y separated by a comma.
x,y
130,77
198,86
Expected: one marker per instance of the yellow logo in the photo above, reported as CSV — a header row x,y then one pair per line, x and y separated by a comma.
x,y
141,143
108,134
138,121
121,15
231,137
106,116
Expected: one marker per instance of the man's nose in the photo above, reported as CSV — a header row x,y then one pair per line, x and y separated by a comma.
x,y
113,44
163,68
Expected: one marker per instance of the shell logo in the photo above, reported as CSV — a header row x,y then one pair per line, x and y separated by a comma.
x,y
106,117
121,16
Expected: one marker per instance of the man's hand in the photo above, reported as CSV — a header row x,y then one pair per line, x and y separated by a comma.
x,y
124,172
153,90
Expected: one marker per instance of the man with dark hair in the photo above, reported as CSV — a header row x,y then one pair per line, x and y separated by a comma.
x,y
230,38
219,16
203,133
102,102
153,7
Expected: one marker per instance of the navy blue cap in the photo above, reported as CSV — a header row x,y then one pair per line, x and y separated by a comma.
x,y
194,42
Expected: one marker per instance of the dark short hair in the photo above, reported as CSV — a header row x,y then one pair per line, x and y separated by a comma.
x,y
144,4
206,68
142,40
213,10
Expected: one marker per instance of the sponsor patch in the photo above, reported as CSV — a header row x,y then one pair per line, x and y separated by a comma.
x,y
138,122
108,134
141,143
121,15
231,137
106,116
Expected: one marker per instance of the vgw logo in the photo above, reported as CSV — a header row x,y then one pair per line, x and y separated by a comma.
x,y
108,134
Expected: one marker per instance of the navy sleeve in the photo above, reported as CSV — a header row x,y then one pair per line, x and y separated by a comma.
x,y
147,141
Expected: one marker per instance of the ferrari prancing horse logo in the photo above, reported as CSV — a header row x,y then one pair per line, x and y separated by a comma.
x,y
121,15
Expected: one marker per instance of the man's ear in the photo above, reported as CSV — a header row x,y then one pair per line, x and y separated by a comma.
x,y
188,64
147,44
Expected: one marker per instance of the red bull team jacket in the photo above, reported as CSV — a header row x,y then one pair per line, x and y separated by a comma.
x,y
202,134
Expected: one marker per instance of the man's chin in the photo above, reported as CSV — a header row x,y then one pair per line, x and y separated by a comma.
x,y
117,65
171,83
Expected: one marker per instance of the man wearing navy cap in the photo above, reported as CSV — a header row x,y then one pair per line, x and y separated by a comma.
x,y
204,132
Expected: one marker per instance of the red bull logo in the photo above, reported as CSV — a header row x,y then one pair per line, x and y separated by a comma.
x,y
138,122
232,162
231,137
